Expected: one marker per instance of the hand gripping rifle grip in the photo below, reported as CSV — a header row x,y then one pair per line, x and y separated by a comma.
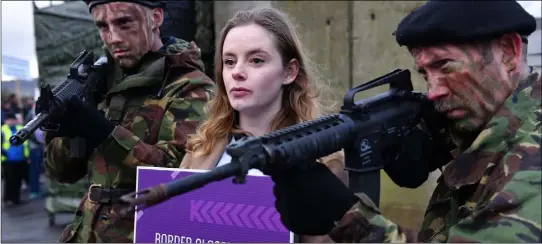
x,y
61,93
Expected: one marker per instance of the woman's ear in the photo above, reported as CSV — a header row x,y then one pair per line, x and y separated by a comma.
x,y
292,70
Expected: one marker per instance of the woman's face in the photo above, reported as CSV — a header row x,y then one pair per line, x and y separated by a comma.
x,y
253,70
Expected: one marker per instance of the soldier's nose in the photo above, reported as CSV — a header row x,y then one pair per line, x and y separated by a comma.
x,y
437,92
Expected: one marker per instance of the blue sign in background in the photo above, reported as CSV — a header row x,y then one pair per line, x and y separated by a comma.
x,y
15,67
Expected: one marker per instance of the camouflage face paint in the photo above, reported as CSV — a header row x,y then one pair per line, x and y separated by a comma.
x,y
126,29
466,82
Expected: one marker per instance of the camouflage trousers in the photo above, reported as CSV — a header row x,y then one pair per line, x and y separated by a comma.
x,y
99,223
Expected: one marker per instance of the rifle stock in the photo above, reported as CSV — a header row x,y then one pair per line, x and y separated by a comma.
x,y
368,130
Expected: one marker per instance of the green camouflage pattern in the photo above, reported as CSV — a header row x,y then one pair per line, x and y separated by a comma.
x,y
490,193
152,132
62,197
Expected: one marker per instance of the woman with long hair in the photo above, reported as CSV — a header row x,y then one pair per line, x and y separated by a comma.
x,y
264,82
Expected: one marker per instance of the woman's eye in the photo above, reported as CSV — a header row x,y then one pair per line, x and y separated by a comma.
x,y
228,62
257,60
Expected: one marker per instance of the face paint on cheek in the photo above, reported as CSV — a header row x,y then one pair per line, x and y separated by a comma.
x,y
471,94
498,86
462,97
485,77
144,21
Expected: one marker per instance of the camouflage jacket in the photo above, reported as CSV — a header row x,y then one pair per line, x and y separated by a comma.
x,y
489,193
163,104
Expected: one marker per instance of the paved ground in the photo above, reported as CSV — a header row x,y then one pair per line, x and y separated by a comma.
x,y
30,223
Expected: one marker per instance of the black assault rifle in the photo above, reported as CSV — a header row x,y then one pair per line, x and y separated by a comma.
x,y
370,131
51,103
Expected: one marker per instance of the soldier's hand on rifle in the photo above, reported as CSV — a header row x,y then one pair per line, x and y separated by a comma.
x,y
57,117
429,144
416,159
90,122
311,200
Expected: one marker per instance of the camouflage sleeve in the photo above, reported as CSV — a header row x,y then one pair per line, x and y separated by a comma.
x,y
59,166
181,118
364,223
513,214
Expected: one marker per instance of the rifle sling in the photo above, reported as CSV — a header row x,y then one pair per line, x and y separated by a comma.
x,y
367,182
116,108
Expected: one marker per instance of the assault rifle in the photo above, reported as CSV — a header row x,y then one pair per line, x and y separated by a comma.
x,y
51,104
371,132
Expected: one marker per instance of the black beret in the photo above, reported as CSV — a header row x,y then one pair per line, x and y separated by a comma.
x,y
150,4
438,22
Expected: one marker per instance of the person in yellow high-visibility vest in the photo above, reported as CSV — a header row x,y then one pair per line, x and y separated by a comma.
x,y
15,161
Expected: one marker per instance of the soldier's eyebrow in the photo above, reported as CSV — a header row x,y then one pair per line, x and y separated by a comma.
x,y
122,20
118,21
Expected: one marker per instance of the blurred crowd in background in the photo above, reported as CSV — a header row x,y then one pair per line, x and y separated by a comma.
x,y
22,166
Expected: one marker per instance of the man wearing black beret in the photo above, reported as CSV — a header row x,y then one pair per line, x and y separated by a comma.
x,y
472,55
149,100
149,4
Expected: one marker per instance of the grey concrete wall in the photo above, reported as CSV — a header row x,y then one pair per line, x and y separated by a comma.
x,y
323,28
375,49
223,10
352,43
534,48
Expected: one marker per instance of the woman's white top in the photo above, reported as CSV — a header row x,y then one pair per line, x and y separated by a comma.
x,y
226,159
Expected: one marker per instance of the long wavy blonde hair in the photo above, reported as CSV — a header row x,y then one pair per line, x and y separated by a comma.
x,y
299,101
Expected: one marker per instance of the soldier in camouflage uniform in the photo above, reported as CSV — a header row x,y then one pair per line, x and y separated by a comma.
x,y
477,75
155,91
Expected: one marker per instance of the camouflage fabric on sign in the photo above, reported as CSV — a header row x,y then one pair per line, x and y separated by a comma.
x,y
153,130
489,193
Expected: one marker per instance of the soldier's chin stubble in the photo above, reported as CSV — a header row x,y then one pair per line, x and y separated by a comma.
x,y
126,63
469,125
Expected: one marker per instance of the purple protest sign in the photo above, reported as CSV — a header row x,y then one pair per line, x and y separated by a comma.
x,y
219,212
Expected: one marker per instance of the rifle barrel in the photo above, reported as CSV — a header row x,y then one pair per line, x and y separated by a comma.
x,y
195,181
22,135
162,192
